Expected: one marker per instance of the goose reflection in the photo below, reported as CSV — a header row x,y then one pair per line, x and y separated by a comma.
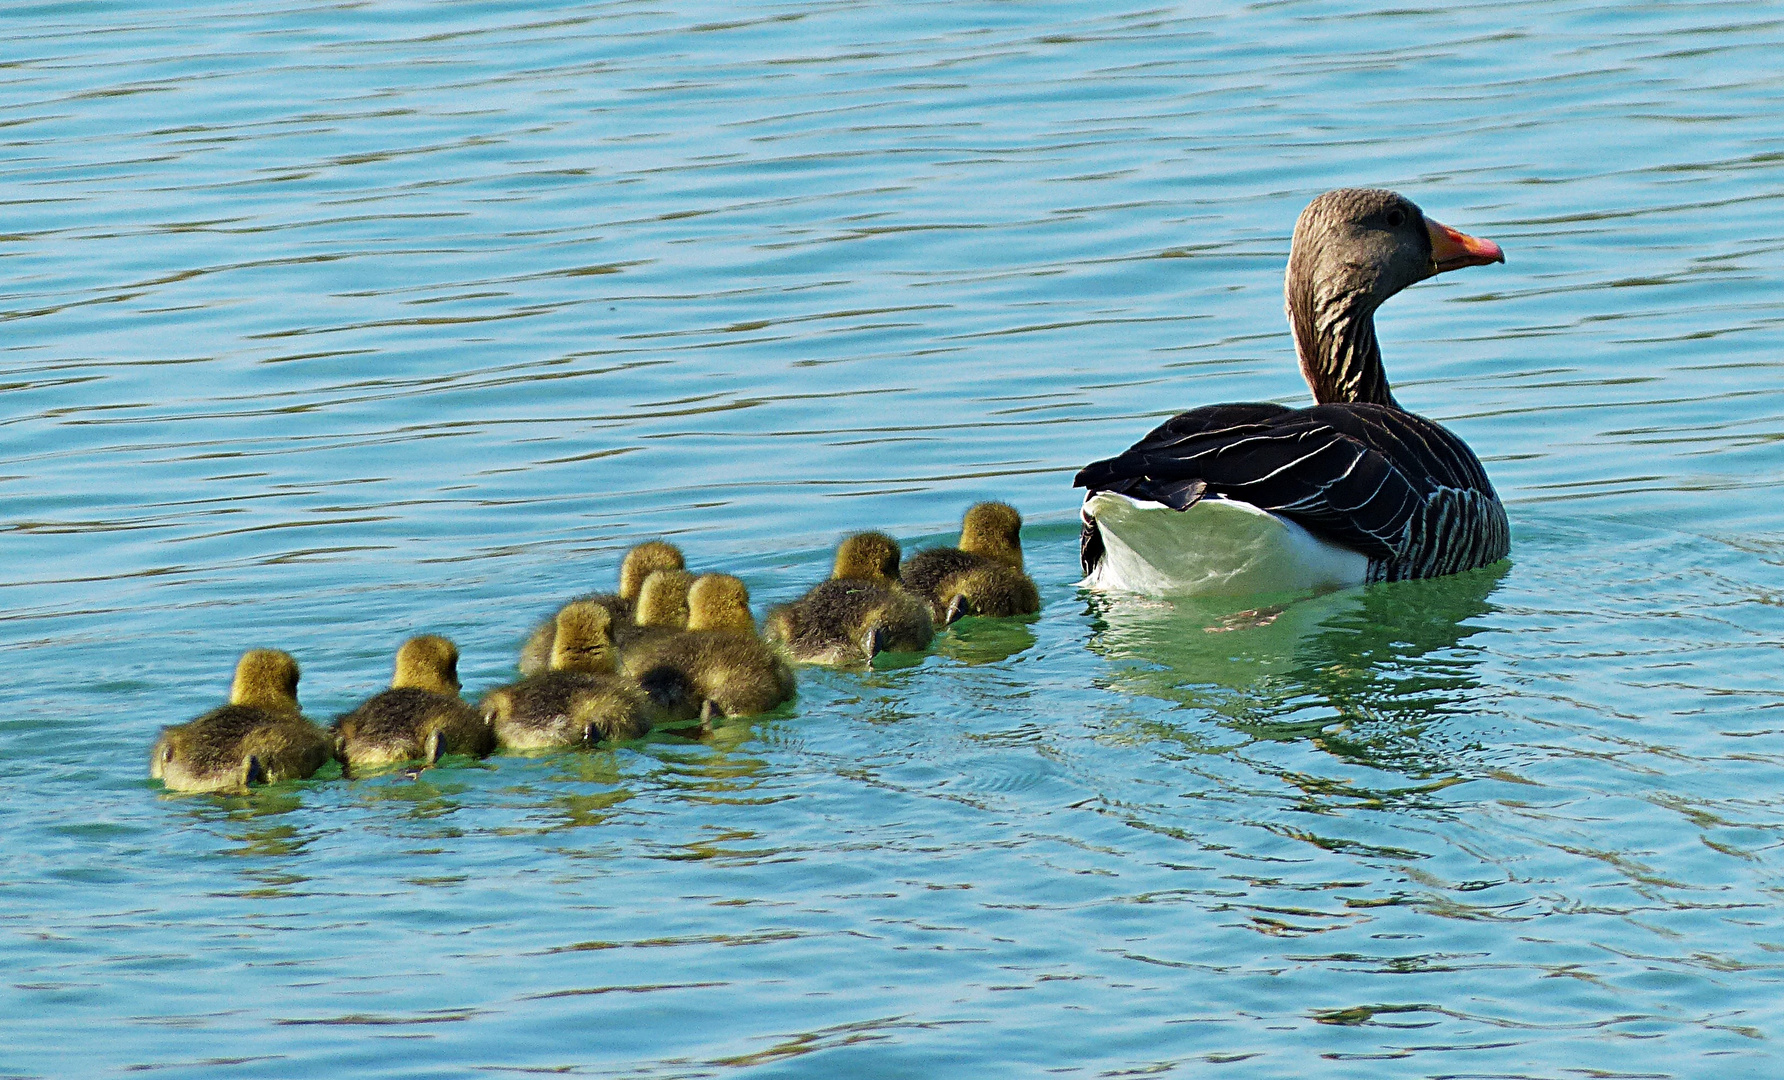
x,y
1360,672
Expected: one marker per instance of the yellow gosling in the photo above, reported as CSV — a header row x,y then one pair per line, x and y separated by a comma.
x,y
420,718
861,611
259,737
983,576
581,700
640,562
732,671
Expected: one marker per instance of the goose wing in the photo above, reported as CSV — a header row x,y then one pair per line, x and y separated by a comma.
x,y
1387,483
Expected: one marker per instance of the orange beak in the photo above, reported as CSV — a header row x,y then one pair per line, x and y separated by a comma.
x,y
1452,250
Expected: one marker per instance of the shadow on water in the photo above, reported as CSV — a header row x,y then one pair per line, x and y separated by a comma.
x,y
1361,673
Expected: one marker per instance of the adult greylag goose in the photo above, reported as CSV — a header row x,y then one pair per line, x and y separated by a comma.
x,y
1258,497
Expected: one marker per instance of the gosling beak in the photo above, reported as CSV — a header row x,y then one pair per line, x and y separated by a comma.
x,y
958,608
1452,250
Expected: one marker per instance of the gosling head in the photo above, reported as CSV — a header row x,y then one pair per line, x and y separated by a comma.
x,y
868,556
584,639
642,561
993,530
719,602
664,600
994,591
497,706
265,679
428,662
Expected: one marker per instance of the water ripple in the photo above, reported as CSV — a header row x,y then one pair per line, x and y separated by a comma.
x,y
326,326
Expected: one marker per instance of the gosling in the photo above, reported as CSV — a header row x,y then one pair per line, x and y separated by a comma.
x,y
861,611
661,609
639,563
581,700
421,717
731,669
983,576
260,737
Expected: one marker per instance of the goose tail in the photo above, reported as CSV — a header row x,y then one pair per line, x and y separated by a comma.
x,y
1216,547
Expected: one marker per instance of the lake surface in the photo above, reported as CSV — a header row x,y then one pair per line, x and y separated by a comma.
x,y
326,324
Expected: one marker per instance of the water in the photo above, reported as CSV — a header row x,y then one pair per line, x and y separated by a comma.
x,y
328,324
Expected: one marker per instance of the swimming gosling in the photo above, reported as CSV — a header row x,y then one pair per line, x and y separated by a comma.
x,y
260,737
983,576
420,718
640,562
660,610
862,610
732,670
581,700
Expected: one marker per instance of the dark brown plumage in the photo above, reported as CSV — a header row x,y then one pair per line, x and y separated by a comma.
x,y
983,576
260,737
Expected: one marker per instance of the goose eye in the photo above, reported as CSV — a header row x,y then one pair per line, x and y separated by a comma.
x,y
1396,218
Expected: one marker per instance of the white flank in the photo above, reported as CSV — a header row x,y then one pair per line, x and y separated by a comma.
x,y
1218,547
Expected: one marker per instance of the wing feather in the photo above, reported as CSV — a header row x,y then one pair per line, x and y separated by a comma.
x,y
1393,485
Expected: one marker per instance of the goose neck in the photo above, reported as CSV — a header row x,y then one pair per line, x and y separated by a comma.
x,y
1335,341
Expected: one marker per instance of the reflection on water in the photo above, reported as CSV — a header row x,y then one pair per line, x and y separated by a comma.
x,y
984,641
1363,671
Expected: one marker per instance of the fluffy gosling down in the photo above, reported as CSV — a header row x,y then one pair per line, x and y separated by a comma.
x,y
661,610
420,718
983,576
861,611
640,562
731,670
581,700
259,737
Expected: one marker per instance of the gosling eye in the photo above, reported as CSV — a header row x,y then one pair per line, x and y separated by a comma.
x,y
167,753
1396,218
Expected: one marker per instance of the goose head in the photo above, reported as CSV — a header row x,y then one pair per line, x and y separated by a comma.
x,y
719,602
584,638
663,601
642,561
1353,249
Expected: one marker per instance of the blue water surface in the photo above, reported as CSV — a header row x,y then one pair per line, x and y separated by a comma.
x,y
325,324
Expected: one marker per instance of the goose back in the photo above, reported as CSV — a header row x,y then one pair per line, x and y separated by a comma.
x,y
1390,484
